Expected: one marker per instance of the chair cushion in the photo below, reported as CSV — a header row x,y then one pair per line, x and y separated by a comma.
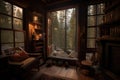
x,y
15,57
23,63
28,61
19,55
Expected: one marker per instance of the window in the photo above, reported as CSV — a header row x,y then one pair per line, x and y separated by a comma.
x,y
94,18
11,26
62,30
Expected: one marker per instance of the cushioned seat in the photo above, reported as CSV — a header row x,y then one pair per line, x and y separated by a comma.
x,y
87,68
23,63
20,62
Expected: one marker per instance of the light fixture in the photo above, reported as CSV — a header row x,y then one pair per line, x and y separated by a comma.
x,y
35,18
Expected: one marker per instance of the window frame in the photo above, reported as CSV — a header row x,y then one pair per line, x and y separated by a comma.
x,y
12,28
76,12
96,26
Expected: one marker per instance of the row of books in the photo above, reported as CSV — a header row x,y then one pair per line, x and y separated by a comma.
x,y
104,31
115,31
112,16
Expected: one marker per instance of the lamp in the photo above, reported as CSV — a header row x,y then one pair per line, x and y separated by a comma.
x,y
35,18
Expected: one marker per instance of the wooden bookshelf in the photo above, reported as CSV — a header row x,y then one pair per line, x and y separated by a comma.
x,y
37,39
109,40
111,24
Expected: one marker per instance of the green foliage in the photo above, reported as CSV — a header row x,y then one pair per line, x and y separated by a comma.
x,y
63,24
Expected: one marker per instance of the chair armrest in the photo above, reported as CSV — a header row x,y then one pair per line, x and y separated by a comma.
x,y
15,63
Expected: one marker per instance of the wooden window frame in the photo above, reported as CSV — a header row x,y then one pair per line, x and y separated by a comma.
x,y
12,28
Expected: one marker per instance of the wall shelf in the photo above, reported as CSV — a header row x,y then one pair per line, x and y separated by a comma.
x,y
109,40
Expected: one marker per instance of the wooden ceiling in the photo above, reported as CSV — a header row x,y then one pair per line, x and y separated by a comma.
x,y
27,3
50,2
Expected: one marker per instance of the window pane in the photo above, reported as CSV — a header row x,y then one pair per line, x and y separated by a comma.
x,y
19,45
91,32
70,28
17,24
6,36
5,21
58,29
62,24
90,43
19,36
5,7
99,19
92,10
91,20
6,46
17,12
100,8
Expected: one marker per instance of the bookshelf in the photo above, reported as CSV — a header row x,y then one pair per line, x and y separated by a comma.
x,y
37,39
109,40
38,46
111,24
36,33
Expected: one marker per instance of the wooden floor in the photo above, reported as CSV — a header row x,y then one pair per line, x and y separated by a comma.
x,y
64,73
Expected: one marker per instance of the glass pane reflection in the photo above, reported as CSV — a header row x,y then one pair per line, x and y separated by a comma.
x,y
6,36
19,36
91,20
6,46
17,24
100,8
5,7
90,43
91,32
92,10
5,21
19,45
17,12
99,19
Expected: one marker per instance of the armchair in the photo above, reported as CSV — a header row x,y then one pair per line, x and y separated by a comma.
x,y
21,62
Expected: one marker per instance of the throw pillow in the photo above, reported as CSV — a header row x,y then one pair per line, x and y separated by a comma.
x,y
24,55
16,57
19,55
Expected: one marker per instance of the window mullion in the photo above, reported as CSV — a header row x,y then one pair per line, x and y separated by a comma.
x,y
13,28
65,31
96,25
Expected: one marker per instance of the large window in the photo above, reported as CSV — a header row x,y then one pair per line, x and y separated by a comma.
x,y
62,30
11,26
94,18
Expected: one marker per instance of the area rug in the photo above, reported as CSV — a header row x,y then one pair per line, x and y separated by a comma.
x,y
49,77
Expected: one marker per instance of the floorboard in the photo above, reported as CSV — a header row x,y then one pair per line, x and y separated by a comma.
x,y
61,72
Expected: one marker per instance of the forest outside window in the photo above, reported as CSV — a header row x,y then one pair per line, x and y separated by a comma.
x,y
62,33
94,19
11,26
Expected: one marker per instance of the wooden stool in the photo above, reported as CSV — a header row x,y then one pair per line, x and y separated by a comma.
x,y
87,68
